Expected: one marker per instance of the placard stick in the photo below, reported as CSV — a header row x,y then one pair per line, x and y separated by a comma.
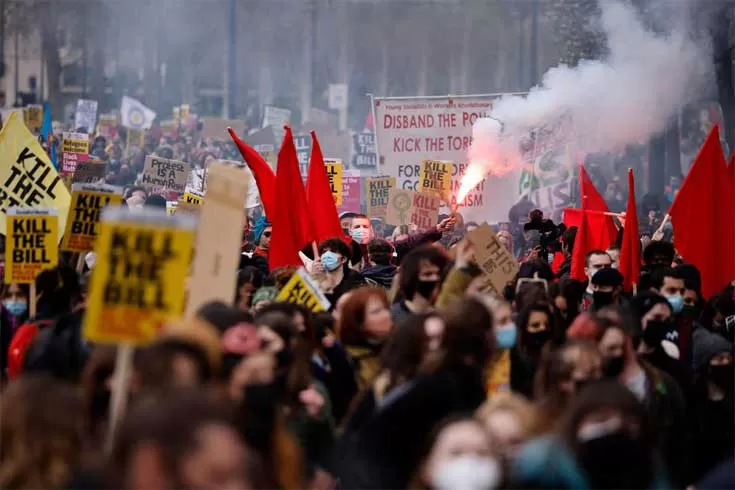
x,y
119,396
32,299
315,249
80,262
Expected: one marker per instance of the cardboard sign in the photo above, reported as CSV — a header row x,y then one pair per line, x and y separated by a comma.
x,y
165,173
33,117
334,172
86,115
107,126
302,290
138,282
219,236
400,206
436,178
425,210
87,202
74,149
351,192
193,197
377,192
27,177
216,128
496,262
31,245
90,172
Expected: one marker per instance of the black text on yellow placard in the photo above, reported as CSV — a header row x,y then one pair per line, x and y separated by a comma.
x,y
82,225
31,244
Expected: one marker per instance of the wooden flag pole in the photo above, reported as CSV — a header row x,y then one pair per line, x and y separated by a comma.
x,y
119,396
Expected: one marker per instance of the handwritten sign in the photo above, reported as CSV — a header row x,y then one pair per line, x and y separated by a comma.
x,y
31,244
436,178
138,283
165,173
378,189
74,149
425,210
82,225
302,290
400,206
334,172
496,262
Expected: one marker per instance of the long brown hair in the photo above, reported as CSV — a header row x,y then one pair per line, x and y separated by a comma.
x,y
352,319
42,427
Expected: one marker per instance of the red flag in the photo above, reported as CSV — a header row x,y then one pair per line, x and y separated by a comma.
x,y
319,197
702,216
600,233
591,235
265,179
595,202
291,230
630,253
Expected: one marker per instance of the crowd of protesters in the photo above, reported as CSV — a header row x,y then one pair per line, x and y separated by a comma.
x,y
419,376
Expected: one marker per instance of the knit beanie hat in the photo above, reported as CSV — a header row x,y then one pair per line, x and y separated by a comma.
x,y
706,345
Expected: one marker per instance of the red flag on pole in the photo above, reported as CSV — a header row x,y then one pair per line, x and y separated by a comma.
x,y
595,202
320,198
591,235
702,216
265,179
630,252
291,229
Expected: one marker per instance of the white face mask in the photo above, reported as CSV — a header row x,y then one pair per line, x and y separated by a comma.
x,y
468,472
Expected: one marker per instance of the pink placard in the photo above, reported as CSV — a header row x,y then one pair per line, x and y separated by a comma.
x,y
351,192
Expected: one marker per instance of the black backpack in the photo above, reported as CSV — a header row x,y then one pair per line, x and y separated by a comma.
x,y
59,349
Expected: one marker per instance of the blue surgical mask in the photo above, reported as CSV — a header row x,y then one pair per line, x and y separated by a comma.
x,y
16,308
676,302
330,261
360,235
506,336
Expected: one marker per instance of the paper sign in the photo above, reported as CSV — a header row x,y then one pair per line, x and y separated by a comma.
x,y
302,290
334,172
27,178
351,192
33,117
425,210
276,118
138,282
219,236
377,191
400,206
193,197
436,178
496,262
31,245
86,115
363,151
107,126
82,225
74,149
90,172
165,173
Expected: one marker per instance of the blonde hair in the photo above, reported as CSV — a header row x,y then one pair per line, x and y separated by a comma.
x,y
510,402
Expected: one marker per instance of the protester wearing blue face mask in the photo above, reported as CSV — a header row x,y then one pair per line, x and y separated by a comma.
x,y
670,285
15,300
337,278
506,370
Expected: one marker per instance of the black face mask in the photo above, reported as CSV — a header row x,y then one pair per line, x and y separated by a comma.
x,y
536,340
724,377
616,460
656,331
601,299
690,311
426,288
613,366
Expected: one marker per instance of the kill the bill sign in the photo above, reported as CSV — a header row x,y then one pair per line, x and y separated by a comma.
x,y
410,131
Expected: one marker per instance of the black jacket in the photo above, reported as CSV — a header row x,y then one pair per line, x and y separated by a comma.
x,y
380,275
351,280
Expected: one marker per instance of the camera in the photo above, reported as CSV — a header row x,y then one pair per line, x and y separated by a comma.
x,y
549,233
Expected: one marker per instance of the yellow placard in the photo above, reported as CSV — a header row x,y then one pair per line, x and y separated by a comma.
x,y
171,207
436,178
334,172
136,137
138,282
302,290
185,112
27,178
75,143
33,117
377,191
82,226
192,197
31,244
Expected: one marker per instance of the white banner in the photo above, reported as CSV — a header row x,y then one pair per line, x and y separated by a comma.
x,y
86,115
409,130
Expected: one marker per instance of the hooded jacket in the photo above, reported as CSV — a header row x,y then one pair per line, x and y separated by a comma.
x,y
380,275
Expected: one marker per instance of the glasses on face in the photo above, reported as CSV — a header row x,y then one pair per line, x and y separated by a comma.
x,y
267,234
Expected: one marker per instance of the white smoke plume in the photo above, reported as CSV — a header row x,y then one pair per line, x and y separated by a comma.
x,y
627,97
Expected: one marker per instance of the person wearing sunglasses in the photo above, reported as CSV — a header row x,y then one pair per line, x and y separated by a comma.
x,y
262,234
